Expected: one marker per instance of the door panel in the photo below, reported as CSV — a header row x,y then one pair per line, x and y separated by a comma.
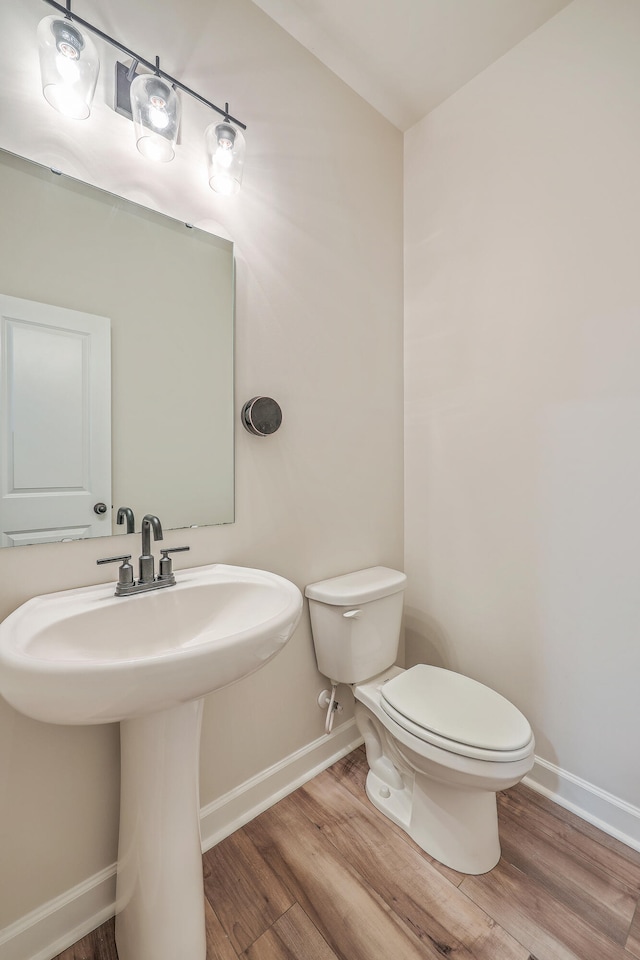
x,y
55,423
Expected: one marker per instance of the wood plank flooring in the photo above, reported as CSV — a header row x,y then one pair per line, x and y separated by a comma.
x,y
323,875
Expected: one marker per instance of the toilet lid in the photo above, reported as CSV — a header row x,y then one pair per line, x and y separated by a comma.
x,y
456,708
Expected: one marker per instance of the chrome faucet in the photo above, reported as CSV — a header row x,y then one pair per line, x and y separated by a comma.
x,y
146,563
147,580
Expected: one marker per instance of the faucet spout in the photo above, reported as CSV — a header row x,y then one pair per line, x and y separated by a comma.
x,y
126,514
149,523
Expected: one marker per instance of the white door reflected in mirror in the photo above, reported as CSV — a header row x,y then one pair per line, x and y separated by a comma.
x,y
55,423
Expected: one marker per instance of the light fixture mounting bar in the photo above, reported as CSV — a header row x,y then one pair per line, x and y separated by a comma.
x,y
66,10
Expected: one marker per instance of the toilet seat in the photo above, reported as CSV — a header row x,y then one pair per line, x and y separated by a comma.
x,y
456,713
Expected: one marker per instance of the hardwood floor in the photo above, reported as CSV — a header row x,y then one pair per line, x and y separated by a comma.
x,y
323,875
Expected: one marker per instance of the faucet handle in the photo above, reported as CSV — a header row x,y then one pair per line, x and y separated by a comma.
x,y
125,573
166,566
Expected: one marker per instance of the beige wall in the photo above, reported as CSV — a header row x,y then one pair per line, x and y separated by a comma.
x,y
318,233
522,231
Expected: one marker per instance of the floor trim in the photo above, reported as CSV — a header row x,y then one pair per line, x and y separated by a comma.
x,y
239,806
613,816
51,928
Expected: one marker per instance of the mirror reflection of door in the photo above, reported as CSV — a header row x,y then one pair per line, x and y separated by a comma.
x,y
55,413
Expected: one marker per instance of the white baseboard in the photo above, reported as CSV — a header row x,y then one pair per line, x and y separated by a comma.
x,y
610,814
234,809
47,931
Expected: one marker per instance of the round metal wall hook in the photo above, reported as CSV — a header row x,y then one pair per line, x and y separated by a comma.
x,y
261,416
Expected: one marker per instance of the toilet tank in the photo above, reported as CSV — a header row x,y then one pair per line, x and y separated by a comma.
x,y
355,621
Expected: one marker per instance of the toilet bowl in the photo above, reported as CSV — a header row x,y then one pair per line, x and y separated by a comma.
x,y
439,744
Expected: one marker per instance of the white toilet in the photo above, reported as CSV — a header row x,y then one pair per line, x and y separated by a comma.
x,y
439,745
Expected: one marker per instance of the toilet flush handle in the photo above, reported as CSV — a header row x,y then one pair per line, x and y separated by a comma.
x,y
352,614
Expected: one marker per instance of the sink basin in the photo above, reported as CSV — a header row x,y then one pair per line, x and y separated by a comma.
x,y
86,656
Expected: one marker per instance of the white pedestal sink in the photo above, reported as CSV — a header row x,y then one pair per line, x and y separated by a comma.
x,y
85,656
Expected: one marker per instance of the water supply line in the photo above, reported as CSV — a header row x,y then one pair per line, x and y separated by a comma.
x,y
332,705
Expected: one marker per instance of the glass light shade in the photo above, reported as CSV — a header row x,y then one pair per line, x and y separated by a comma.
x,y
156,116
69,66
225,146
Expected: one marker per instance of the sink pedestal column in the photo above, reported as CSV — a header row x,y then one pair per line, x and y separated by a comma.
x,y
160,895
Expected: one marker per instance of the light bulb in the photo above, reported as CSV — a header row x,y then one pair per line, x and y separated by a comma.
x,y
158,117
67,66
224,156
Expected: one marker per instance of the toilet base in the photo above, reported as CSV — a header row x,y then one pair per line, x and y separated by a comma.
x,y
457,827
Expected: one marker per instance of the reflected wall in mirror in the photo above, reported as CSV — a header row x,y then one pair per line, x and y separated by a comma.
x,y
164,294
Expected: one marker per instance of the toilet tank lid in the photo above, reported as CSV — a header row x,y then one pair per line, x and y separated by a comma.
x,y
358,587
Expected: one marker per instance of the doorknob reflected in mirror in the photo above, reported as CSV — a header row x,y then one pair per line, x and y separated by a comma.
x,y
100,508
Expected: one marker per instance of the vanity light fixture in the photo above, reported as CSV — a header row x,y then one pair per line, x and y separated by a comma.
x,y
155,111
225,146
69,66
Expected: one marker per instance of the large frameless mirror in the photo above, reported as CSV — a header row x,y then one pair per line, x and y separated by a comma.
x,y
116,370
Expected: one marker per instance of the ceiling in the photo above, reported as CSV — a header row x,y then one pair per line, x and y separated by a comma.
x,y
404,57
